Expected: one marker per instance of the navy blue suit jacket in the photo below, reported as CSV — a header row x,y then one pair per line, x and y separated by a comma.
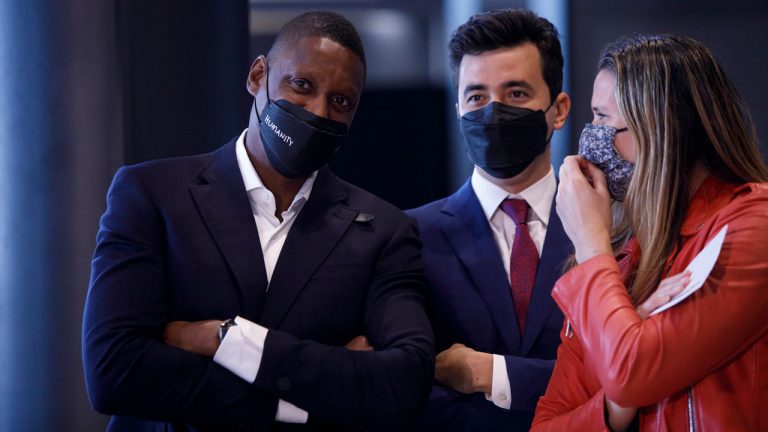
x,y
178,241
469,302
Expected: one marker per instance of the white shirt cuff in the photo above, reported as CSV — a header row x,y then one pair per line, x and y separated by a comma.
x,y
241,350
500,390
290,413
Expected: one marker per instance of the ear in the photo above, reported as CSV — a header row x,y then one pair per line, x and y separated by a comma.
x,y
255,75
562,107
458,113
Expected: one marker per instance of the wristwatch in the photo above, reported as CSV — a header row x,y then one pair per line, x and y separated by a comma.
x,y
224,327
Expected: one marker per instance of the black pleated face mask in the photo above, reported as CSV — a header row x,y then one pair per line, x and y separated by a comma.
x,y
297,142
503,140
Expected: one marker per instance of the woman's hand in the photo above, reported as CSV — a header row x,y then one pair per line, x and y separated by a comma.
x,y
667,289
584,207
200,337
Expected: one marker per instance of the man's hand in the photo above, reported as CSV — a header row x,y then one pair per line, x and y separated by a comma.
x,y
464,369
359,343
199,337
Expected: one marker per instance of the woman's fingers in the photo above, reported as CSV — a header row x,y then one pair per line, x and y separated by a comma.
x,y
599,183
667,289
584,210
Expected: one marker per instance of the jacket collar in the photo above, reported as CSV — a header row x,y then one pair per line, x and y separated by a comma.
x,y
468,232
318,228
222,201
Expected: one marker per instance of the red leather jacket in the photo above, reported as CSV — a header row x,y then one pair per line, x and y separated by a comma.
x,y
701,365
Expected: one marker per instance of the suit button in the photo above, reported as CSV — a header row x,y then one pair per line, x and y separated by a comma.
x,y
284,384
503,396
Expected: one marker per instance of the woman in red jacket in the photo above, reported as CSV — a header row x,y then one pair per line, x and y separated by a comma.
x,y
673,145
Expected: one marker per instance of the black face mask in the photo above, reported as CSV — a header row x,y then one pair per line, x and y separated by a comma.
x,y
503,140
297,142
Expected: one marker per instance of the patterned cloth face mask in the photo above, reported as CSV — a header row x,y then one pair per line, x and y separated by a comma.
x,y
596,146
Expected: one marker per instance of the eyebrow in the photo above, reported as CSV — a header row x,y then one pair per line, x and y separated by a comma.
x,y
504,85
523,84
473,87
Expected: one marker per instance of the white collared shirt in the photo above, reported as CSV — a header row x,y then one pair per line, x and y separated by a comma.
x,y
243,346
272,232
539,197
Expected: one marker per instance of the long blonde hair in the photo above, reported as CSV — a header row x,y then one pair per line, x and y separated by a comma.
x,y
681,108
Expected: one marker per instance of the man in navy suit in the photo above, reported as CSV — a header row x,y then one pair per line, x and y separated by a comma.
x,y
489,276
250,288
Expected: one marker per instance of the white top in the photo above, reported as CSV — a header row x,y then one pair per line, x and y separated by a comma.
x,y
272,232
539,197
242,348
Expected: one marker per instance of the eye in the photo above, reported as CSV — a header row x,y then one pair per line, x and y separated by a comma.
x,y
598,117
518,94
301,84
342,101
475,98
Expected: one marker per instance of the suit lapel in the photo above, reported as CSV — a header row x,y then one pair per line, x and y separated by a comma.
x,y
223,204
556,249
317,229
469,233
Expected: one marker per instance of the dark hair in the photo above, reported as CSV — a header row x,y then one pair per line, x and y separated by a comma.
x,y
320,24
507,28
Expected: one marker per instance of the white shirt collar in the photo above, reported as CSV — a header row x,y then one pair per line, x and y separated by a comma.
x,y
251,178
539,195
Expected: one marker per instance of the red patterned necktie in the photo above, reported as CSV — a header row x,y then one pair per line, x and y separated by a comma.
x,y
523,261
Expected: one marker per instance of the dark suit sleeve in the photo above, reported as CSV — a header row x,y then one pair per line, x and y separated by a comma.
x,y
129,371
528,379
448,409
386,386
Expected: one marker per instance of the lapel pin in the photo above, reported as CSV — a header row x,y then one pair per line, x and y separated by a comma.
x,y
364,217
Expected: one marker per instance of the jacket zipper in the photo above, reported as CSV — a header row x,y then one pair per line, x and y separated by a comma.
x,y
691,414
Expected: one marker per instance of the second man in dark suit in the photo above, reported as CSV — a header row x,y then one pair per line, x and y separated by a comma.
x,y
493,249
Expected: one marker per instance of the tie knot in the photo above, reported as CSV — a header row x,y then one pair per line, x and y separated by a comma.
x,y
517,209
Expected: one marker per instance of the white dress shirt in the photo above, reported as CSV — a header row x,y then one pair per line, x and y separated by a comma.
x,y
539,197
242,347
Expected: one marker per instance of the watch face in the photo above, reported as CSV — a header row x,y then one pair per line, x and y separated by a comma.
x,y
224,326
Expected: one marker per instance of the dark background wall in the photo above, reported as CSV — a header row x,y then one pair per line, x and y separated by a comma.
x,y
60,141
88,85
182,68
397,146
735,31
